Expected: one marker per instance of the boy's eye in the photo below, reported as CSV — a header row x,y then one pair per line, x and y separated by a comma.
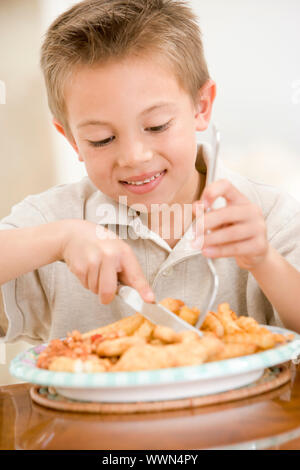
x,y
101,143
159,128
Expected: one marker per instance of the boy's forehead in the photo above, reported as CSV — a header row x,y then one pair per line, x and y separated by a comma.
x,y
156,107
129,74
154,86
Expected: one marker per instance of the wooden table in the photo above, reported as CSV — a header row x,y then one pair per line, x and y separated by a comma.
x,y
268,421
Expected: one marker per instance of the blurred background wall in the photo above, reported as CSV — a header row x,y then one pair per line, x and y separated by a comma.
x,y
26,146
252,49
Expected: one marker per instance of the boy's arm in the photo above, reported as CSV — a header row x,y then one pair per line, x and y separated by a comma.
x,y
25,249
94,254
280,282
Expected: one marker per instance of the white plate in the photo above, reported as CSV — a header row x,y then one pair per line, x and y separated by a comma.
x,y
160,384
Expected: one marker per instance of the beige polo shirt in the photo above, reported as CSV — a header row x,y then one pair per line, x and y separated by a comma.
x,y
50,301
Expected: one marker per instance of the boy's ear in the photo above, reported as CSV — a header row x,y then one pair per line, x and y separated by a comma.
x,y
206,96
71,140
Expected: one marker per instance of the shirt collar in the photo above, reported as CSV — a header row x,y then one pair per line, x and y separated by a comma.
x,y
110,212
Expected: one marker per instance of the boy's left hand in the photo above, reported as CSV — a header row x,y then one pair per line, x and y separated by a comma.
x,y
237,230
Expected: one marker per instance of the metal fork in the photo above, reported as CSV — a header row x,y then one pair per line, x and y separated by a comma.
x,y
211,296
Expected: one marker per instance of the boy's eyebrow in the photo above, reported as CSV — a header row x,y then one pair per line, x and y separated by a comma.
x,y
96,122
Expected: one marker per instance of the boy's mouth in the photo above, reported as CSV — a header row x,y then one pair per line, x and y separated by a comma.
x,y
146,185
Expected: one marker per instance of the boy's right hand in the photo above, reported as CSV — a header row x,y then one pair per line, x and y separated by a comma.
x,y
100,261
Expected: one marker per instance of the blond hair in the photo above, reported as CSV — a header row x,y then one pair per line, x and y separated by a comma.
x,y
95,31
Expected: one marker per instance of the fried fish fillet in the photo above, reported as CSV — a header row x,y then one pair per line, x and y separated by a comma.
x,y
145,330
118,346
187,353
165,334
127,325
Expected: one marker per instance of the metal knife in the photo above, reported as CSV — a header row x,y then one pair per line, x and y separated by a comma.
x,y
154,312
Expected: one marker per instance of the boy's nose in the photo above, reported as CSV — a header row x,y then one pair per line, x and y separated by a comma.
x,y
134,153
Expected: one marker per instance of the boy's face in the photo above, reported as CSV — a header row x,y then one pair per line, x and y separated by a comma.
x,y
131,120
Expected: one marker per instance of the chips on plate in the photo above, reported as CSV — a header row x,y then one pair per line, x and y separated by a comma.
x,y
134,343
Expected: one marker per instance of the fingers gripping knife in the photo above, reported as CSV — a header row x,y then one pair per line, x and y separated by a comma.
x,y
156,313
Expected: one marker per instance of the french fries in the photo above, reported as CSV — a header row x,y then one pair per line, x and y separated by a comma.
x,y
211,323
134,343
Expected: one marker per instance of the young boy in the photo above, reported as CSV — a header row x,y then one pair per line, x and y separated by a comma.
x,y
128,87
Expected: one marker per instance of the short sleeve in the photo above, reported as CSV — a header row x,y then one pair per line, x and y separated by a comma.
x,y
23,214
26,300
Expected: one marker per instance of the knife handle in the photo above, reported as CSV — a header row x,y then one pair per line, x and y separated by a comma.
x,y
123,291
130,296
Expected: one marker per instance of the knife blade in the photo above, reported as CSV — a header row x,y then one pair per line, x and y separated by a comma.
x,y
156,313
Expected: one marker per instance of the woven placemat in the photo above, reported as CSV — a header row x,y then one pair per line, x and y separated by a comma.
x,y
272,378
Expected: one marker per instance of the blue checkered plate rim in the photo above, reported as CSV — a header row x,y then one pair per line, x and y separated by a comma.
x,y
23,367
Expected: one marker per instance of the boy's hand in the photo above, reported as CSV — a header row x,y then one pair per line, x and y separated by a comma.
x,y
100,259
237,230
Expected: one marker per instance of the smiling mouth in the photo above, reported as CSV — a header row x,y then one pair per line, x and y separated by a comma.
x,y
145,181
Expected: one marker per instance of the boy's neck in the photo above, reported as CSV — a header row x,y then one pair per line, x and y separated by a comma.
x,y
157,223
